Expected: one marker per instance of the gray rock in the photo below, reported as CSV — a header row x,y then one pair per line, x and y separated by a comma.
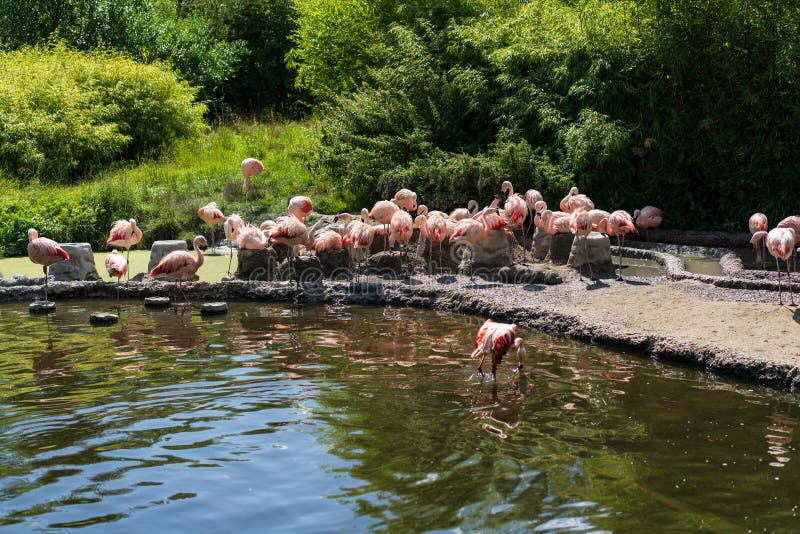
x,y
491,254
541,244
389,264
79,267
101,318
528,274
162,248
214,308
598,247
156,302
42,306
304,269
334,263
256,264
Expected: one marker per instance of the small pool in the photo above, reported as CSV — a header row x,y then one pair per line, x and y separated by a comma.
x,y
329,418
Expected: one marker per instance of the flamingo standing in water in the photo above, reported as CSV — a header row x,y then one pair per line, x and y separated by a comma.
x,y
648,217
251,167
212,216
495,339
124,234
580,224
45,252
179,264
116,265
575,201
780,243
619,224
758,223
232,226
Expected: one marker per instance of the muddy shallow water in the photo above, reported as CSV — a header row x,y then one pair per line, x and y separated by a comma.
x,y
328,418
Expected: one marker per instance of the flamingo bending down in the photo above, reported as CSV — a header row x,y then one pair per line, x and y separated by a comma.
x,y
495,339
619,223
212,216
758,223
516,208
406,199
780,243
251,238
124,234
45,252
179,264
580,224
575,201
648,217
251,167
116,265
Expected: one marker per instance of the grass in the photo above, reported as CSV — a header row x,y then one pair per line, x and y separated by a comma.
x,y
164,193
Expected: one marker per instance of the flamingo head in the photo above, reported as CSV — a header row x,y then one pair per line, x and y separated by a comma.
x,y
540,206
422,209
32,234
133,222
200,241
507,187
364,215
573,191
346,217
636,213
472,205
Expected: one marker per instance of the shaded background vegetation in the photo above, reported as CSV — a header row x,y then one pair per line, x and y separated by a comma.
x,y
692,106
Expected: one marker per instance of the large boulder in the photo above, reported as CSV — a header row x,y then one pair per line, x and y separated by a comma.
x,y
490,254
335,263
596,250
304,269
80,266
389,264
256,264
162,248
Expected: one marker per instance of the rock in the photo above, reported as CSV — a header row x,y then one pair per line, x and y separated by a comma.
x,y
42,306
79,267
491,254
541,244
528,274
561,248
256,264
335,263
103,319
214,308
436,262
156,302
281,252
304,269
598,247
162,248
388,264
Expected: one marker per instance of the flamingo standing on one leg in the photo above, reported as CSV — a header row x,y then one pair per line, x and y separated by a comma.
x,y
552,222
179,264
580,224
116,265
232,226
45,252
758,223
780,243
495,339
359,236
251,167
619,224
648,217
124,234
212,216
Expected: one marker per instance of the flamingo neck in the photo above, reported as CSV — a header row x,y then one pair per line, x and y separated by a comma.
x,y
199,261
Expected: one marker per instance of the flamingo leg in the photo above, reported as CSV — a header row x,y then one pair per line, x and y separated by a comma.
x,y
789,278
44,268
480,365
230,260
592,277
128,271
780,291
620,256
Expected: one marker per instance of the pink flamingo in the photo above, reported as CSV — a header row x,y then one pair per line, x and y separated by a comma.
x,y
327,241
300,207
792,221
251,167
382,212
475,230
45,252
116,265
597,216
619,223
532,196
359,236
406,200
780,243
462,213
495,339
212,216
251,238
401,228
575,201
516,208
232,226
648,217
758,223
432,229
580,224
124,234
552,222
179,264
291,231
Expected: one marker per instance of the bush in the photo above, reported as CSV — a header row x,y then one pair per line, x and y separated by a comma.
x,y
64,114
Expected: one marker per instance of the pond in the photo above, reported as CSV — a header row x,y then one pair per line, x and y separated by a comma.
x,y
317,419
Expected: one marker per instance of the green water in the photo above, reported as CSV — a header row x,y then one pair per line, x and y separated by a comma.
x,y
327,419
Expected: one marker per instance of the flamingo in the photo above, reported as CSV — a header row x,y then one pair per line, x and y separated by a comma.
x,y
495,339
406,199
473,231
462,213
251,238
359,236
792,221
758,223
300,207
327,240
648,217
124,234
291,231
382,212
552,222
401,228
233,225
580,224
575,201
179,264
116,265
434,230
516,208
620,223
45,252
212,216
780,243
532,196
251,167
